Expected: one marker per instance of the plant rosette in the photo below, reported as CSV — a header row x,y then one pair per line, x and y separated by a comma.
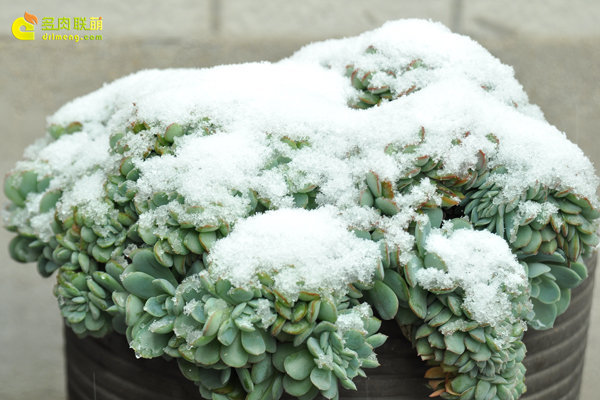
x,y
256,222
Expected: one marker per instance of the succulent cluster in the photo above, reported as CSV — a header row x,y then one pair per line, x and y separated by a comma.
x,y
232,341
469,359
115,273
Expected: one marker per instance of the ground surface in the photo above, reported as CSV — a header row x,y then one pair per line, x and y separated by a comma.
x,y
552,44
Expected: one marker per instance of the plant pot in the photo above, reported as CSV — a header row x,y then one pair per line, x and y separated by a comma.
x,y
106,369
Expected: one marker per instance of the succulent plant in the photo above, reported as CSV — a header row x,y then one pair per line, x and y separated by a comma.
x,y
133,245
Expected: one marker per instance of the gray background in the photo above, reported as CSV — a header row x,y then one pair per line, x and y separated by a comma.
x,y
552,44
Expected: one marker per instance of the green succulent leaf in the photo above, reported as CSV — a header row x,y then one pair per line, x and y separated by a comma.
x,y
253,342
299,365
418,301
563,303
523,238
455,342
376,340
146,343
411,268
283,350
396,282
545,314
140,285
435,216
295,387
536,269
580,269
432,260
245,379
327,310
482,389
49,200
234,355
565,277
462,383
549,291
332,392
321,378
387,206
383,299
262,370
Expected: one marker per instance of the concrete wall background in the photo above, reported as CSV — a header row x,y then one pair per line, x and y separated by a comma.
x,y
552,44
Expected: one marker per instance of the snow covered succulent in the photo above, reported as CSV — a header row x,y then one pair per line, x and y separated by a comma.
x,y
252,220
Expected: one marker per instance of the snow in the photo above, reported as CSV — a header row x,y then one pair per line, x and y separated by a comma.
x,y
208,171
396,227
301,250
354,318
265,313
482,265
462,94
529,211
86,193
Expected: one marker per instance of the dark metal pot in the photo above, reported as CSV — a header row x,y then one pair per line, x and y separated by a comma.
x,y
106,369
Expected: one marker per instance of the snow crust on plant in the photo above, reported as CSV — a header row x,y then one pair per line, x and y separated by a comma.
x,y
300,250
354,318
459,96
482,265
